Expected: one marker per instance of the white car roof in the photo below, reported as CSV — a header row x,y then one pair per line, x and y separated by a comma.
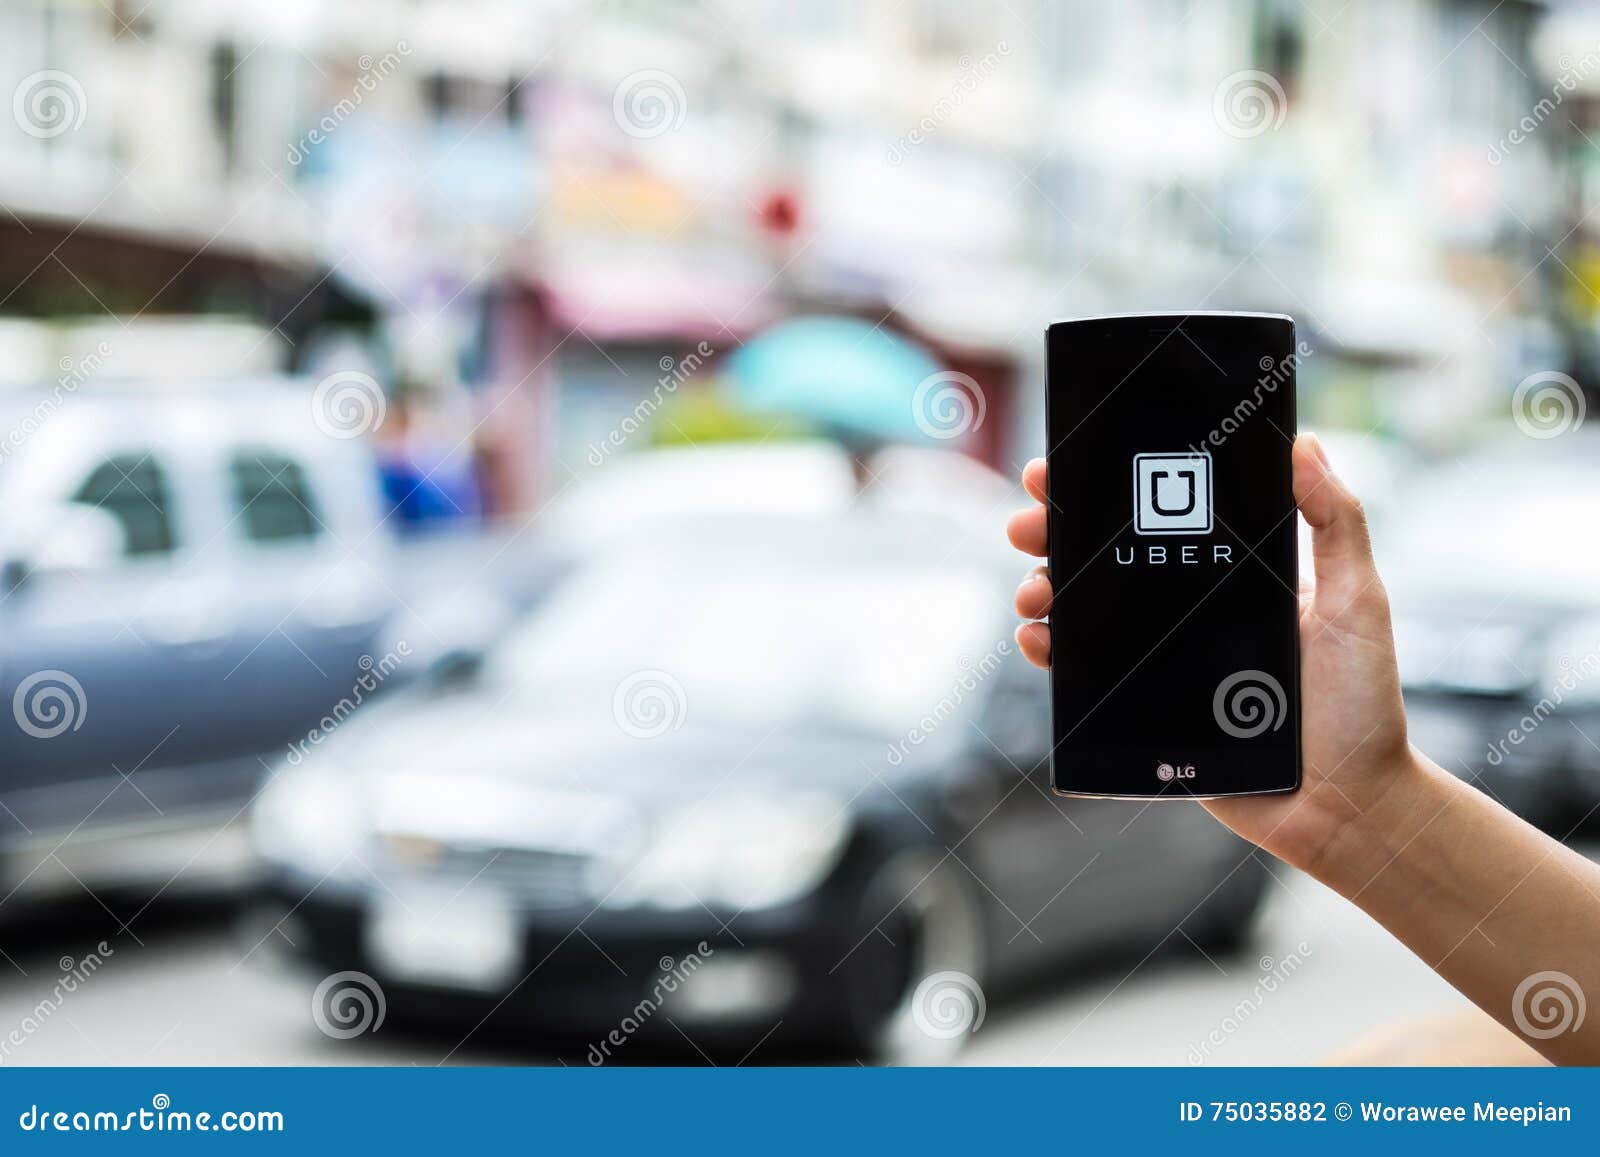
x,y
640,491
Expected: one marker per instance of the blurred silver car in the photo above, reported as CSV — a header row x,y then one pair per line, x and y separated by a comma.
x,y
1494,578
177,598
1375,467
193,577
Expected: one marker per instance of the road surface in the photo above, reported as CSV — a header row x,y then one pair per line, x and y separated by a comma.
x,y
193,992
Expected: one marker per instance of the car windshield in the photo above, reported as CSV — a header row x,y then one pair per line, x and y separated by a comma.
x,y
759,639
1492,526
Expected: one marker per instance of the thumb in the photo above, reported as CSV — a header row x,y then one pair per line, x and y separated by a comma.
x,y
1340,545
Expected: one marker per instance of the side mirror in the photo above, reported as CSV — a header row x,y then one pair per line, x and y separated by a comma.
x,y
457,665
449,638
67,537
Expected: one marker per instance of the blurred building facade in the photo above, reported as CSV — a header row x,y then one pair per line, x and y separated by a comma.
x,y
527,212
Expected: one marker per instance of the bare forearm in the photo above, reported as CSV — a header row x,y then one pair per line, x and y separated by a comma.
x,y
1484,899
1507,915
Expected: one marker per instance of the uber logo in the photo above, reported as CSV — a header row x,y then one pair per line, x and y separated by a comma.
x,y
1172,493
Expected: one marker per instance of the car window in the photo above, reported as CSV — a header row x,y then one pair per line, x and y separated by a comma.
x,y
273,496
133,489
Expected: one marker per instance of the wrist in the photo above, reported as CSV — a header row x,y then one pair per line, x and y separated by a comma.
x,y
1352,845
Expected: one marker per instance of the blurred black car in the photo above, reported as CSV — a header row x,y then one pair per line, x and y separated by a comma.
x,y
793,763
1494,580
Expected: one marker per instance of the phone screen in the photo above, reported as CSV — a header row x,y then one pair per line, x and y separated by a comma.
x,y
1174,626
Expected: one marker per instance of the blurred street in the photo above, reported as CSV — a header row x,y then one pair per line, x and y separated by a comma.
x,y
186,998
535,476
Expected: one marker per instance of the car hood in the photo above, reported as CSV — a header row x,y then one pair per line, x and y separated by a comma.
x,y
461,741
1504,645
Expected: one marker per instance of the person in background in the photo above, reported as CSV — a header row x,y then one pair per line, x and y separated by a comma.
x,y
425,480
1506,914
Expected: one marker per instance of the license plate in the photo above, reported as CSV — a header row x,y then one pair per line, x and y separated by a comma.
x,y
466,940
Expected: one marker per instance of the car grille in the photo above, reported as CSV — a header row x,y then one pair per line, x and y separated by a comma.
x,y
532,877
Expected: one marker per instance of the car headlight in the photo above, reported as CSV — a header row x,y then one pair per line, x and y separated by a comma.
x,y
1572,673
741,853
310,820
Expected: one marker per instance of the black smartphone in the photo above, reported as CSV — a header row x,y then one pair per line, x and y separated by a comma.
x,y
1175,621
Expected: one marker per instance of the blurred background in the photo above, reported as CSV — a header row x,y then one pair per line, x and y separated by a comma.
x,y
501,503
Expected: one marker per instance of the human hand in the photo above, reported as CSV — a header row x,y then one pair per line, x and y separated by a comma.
x,y
1352,721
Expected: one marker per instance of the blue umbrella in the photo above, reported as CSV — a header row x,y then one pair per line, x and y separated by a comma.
x,y
855,379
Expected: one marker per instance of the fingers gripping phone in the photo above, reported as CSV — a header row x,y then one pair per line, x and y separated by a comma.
x,y
1175,620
